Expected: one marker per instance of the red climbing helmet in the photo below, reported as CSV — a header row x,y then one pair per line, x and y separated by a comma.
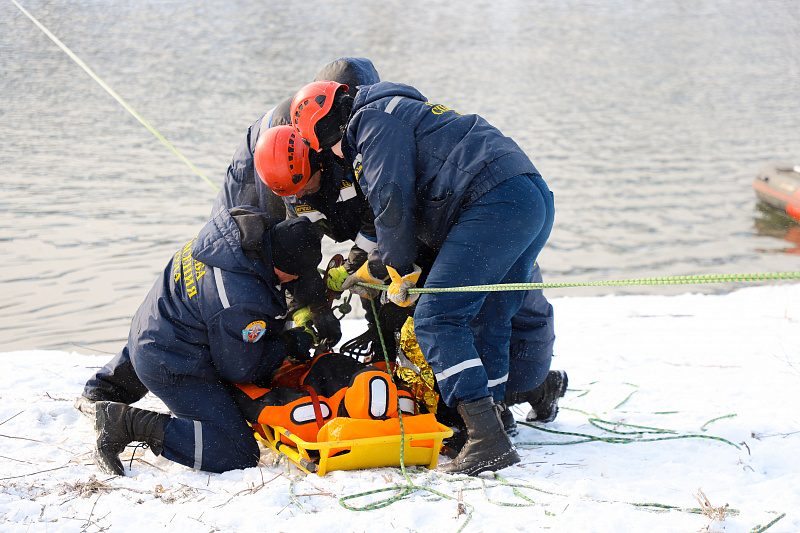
x,y
282,162
318,115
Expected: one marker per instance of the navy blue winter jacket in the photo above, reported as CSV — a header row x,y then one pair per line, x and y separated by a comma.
x,y
213,313
418,163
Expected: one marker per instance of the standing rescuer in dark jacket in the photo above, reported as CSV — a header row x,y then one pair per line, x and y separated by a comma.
x,y
292,170
456,184
217,314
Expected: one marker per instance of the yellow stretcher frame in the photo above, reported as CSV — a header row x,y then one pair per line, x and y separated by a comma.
x,y
370,452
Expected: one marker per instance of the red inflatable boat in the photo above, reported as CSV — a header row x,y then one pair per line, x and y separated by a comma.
x,y
778,185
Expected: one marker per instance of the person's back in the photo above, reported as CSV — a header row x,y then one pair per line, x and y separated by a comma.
x,y
436,159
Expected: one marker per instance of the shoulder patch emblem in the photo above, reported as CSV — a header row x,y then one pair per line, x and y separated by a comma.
x,y
254,331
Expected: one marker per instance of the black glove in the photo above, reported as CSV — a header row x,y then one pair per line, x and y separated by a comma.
x,y
298,345
329,331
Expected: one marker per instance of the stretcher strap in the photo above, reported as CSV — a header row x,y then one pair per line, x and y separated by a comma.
x,y
315,402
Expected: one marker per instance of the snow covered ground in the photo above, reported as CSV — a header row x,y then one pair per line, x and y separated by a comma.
x,y
696,396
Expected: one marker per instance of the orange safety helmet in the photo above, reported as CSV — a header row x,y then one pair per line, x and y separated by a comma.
x,y
310,111
283,162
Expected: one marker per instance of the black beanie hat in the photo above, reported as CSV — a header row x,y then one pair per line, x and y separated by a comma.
x,y
296,247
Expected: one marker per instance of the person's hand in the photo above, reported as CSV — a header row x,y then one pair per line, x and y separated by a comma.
x,y
298,345
327,326
304,319
363,275
398,290
337,276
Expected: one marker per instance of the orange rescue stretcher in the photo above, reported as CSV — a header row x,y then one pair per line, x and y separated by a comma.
x,y
321,442
337,449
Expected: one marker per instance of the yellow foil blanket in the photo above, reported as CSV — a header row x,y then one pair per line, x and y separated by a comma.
x,y
418,375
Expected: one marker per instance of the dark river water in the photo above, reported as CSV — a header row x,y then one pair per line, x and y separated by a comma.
x,y
648,119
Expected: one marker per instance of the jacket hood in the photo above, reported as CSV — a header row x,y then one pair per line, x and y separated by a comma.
x,y
219,245
280,114
384,89
352,71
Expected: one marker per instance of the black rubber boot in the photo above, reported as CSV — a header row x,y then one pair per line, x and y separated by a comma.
x,y
544,398
449,417
117,425
487,447
452,446
507,417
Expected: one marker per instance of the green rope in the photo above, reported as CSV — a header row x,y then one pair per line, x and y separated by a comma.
x,y
674,280
530,502
391,376
401,490
626,399
761,529
643,430
612,440
113,93
650,506
622,433
292,497
703,427
622,437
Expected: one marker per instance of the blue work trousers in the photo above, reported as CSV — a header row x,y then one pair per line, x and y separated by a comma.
x,y
207,430
496,239
532,339
116,381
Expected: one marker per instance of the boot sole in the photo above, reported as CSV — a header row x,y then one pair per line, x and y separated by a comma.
x,y
511,457
85,406
563,383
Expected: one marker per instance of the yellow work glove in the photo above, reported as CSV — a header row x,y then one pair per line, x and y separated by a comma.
x,y
398,290
304,319
362,275
337,276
